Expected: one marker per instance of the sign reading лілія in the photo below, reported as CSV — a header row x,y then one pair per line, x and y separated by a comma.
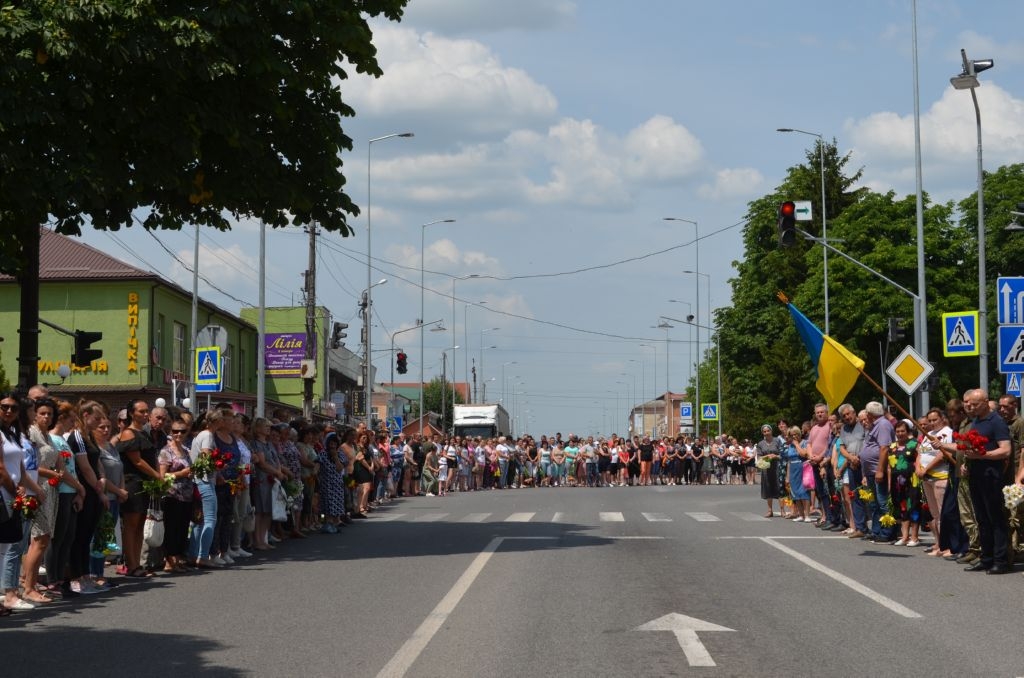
x,y
285,353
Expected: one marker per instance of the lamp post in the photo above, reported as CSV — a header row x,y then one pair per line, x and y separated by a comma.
x,y
444,376
824,219
718,353
511,362
465,342
968,79
367,362
654,371
486,329
369,263
423,231
698,326
696,257
632,396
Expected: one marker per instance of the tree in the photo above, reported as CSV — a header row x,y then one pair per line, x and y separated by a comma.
x,y
193,113
437,398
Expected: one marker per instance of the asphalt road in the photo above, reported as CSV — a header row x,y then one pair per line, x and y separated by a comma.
x,y
659,581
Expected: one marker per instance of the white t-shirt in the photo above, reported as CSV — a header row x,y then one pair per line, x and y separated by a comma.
x,y
927,454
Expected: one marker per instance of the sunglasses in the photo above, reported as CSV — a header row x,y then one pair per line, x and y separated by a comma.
x,y
177,430
4,407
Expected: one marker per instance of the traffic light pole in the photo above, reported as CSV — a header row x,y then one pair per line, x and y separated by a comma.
x,y
408,329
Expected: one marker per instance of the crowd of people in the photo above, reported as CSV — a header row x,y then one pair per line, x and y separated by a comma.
x,y
873,475
154,489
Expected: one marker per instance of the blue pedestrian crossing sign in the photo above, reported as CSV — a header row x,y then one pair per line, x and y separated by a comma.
x,y
208,372
1011,348
686,412
960,334
1013,384
709,412
1010,300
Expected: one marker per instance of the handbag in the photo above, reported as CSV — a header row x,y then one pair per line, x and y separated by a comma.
x,y
153,529
10,528
808,476
278,502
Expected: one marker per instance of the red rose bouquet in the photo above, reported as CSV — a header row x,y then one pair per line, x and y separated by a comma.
x,y
971,442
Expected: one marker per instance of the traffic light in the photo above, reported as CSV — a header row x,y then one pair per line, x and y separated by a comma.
x,y
897,332
787,224
338,334
400,365
84,355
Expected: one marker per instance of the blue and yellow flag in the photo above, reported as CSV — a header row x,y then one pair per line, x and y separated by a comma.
x,y
838,369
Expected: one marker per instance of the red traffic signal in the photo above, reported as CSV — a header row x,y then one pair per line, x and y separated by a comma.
x,y
400,362
787,223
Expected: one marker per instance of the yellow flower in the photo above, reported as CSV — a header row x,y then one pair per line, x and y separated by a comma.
x,y
887,520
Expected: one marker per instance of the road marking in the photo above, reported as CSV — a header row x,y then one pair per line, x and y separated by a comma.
x,y
788,536
475,518
411,649
626,536
386,517
751,517
557,518
611,517
704,517
520,518
656,517
429,517
685,630
846,581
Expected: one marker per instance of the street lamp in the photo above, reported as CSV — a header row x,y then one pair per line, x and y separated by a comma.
x,y
465,353
824,219
696,257
423,231
718,353
369,264
444,376
689,338
503,394
968,79
368,363
698,326
486,329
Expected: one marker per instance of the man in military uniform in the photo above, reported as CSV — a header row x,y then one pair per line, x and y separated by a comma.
x,y
1009,410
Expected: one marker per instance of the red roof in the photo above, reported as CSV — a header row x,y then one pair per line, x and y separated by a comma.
x,y
64,258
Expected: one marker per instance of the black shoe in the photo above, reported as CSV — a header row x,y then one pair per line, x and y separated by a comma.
x,y
977,566
66,592
999,569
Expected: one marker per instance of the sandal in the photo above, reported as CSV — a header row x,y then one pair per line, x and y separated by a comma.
x,y
769,515
139,573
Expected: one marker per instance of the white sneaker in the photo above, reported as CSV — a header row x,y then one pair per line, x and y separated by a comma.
x,y
900,542
798,520
241,553
233,553
228,560
42,570
217,560
431,494
913,542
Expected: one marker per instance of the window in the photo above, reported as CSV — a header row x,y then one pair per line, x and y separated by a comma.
x,y
179,357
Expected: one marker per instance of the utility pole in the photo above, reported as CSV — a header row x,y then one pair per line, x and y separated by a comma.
x,y
310,292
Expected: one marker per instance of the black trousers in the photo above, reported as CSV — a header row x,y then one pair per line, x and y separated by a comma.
x,y
63,536
177,516
85,529
986,485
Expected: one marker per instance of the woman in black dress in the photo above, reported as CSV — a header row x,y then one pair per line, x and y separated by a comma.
x,y
769,448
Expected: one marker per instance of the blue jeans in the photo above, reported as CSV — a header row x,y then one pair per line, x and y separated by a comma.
x,y
879,508
592,478
202,538
503,465
860,521
12,558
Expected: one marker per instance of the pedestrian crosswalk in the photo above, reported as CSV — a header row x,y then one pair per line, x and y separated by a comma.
x,y
568,517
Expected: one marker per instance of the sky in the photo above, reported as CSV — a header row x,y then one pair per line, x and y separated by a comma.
x,y
559,135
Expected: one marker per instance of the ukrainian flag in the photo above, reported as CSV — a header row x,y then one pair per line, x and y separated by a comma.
x,y
838,369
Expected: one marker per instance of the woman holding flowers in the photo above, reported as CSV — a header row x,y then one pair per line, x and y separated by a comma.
x,y
904,484
767,452
70,495
175,461
139,456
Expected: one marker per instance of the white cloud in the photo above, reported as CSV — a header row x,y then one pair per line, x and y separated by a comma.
x,y
661,150
884,142
732,183
456,84
459,16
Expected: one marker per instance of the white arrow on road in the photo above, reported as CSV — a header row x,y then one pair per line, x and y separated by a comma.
x,y
686,629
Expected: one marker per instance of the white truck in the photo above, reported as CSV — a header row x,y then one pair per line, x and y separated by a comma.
x,y
486,421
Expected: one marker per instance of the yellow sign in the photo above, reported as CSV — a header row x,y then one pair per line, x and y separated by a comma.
x,y
909,370
51,367
133,338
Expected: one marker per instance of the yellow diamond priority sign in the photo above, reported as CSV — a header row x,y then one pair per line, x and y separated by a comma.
x,y
909,370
